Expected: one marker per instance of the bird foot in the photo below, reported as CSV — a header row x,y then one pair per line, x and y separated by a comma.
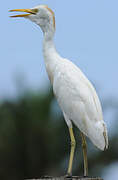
x,y
68,176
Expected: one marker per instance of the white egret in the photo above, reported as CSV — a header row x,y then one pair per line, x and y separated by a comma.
x,y
74,92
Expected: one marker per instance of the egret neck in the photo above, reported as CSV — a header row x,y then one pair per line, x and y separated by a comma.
x,y
50,54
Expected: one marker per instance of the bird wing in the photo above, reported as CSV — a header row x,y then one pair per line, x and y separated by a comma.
x,y
79,101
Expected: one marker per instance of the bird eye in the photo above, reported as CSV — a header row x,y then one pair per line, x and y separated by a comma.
x,y
35,11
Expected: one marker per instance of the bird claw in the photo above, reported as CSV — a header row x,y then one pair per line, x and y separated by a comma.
x,y
68,176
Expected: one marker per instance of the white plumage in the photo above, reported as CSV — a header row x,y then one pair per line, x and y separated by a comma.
x,y
79,102
74,92
76,95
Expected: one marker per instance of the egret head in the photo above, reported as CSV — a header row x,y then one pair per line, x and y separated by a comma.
x,y
42,15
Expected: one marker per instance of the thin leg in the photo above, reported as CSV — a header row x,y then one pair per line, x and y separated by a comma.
x,y
84,146
71,152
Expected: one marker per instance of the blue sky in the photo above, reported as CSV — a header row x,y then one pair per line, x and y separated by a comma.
x,y
86,33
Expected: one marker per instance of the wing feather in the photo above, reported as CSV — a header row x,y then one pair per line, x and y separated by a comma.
x,y
78,99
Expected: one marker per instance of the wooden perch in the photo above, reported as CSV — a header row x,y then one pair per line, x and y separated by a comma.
x,y
67,178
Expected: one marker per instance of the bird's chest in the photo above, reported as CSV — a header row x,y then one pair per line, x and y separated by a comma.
x,y
65,92
50,68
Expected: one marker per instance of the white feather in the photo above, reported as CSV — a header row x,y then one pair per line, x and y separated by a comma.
x,y
74,92
79,101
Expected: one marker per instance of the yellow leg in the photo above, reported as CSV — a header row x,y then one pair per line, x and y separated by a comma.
x,y
71,152
84,146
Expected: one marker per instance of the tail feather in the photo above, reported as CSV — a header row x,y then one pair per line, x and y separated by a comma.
x,y
105,137
98,135
101,137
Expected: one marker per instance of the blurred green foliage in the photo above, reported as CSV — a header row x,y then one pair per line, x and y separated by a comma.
x,y
34,140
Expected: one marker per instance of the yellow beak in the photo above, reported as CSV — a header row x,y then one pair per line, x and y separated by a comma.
x,y
29,11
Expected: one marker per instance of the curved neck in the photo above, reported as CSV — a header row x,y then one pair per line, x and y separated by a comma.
x,y
51,56
48,43
48,31
49,49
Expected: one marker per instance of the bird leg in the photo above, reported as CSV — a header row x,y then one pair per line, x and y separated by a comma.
x,y
84,146
69,172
